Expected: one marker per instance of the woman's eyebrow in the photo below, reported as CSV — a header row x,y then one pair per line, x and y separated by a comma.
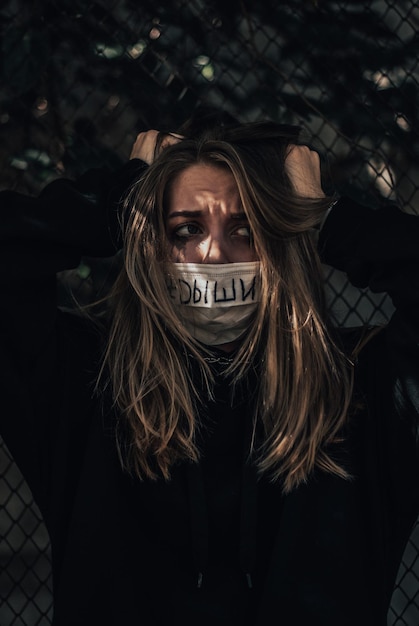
x,y
185,213
198,213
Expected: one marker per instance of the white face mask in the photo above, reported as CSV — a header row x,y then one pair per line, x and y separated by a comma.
x,y
215,301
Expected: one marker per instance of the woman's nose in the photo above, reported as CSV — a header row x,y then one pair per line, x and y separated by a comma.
x,y
214,251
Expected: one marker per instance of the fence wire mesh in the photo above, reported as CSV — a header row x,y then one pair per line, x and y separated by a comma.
x,y
80,79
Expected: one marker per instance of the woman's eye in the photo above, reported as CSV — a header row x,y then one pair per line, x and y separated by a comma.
x,y
243,231
186,230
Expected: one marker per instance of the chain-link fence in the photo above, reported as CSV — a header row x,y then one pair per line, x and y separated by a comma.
x,y
81,78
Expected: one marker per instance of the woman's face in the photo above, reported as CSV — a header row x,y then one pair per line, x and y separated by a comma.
x,y
205,221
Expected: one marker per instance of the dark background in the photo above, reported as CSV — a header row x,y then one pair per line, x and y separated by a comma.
x,y
80,79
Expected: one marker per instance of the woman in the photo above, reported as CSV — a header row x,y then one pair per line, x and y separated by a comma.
x,y
219,455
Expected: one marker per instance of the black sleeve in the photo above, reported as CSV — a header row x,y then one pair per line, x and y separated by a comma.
x,y
376,248
39,237
45,235
379,249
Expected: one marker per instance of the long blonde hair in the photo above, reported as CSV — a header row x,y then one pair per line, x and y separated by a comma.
x,y
304,379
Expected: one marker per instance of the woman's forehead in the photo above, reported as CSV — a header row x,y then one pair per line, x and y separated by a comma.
x,y
203,181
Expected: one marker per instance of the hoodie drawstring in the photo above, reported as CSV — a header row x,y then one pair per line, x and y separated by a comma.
x,y
199,519
248,510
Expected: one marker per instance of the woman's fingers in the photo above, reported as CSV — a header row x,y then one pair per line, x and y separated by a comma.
x,y
150,143
303,168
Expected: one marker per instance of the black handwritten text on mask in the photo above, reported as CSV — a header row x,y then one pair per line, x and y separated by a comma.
x,y
201,292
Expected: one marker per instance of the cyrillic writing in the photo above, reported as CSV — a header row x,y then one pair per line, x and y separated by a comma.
x,y
202,292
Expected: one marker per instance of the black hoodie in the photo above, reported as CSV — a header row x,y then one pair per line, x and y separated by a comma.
x,y
216,544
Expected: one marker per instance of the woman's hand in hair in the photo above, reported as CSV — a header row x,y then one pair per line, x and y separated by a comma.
x,y
303,168
150,143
